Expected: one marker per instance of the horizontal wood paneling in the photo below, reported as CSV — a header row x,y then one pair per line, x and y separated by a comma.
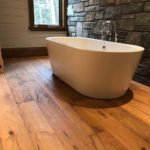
x,y
13,3
6,19
14,23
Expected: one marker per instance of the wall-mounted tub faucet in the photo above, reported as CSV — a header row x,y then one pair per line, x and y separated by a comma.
x,y
107,28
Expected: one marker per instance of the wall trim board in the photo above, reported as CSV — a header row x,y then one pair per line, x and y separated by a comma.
x,y
24,52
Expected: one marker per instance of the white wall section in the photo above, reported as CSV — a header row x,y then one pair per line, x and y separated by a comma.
x,y
14,23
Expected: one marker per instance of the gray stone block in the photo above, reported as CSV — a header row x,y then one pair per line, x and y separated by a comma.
x,y
146,40
126,24
134,38
129,16
110,12
80,14
70,11
142,28
142,19
147,6
91,2
98,28
99,15
90,8
108,2
133,8
78,7
79,29
90,16
86,33
72,29
88,25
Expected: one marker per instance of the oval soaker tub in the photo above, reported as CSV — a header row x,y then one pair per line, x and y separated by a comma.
x,y
91,70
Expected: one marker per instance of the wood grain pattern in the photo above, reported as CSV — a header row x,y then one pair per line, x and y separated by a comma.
x,y
13,133
56,117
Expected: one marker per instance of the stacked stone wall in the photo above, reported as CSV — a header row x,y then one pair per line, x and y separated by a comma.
x,y
132,17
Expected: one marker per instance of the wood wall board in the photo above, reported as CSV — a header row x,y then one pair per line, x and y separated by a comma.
x,y
14,18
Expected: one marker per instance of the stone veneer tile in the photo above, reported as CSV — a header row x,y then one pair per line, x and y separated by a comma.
x,y
90,8
70,11
78,7
134,38
99,15
108,2
110,12
132,18
126,24
147,6
90,16
79,29
133,8
142,19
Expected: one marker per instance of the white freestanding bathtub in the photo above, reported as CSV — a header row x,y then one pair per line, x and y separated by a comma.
x,y
91,70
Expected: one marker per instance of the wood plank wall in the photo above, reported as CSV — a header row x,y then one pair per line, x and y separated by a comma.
x,y
14,22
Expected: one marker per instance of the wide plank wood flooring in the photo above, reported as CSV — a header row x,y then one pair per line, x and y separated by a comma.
x,y
40,112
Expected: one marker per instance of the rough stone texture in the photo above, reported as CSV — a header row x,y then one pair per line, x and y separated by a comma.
x,y
110,12
133,38
99,15
90,16
133,8
79,29
85,33
126,24
72,29
147,6
70,11
90,8
146,40
78,7
142,28
107,2
142,19
132,17
98,28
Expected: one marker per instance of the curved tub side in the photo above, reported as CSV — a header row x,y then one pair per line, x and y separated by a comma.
x,y
94,74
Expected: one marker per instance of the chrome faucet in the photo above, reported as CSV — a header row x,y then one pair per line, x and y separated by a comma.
x,y
107,27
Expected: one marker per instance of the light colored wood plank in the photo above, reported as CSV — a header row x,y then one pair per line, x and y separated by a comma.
x,y
41,132
109,123
132,122
1,145
60,122
79,122
45,74
13,133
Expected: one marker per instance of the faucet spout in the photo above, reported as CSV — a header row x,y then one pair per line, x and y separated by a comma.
x,y
107,26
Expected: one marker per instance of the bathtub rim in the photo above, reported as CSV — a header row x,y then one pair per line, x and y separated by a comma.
x,y
135,47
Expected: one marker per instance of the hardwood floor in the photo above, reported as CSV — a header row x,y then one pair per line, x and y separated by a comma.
x,y
40,112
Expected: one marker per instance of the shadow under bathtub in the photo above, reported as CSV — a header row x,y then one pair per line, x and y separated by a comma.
x,y
76,99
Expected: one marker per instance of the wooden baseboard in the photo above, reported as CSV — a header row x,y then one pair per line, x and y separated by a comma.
x,y
24,52
1,63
